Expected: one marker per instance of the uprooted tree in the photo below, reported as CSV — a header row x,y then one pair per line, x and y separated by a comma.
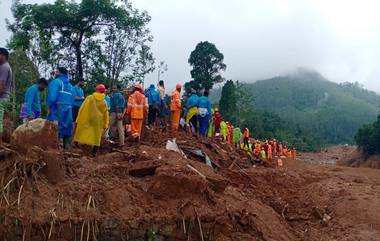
x,y
207,64
100,39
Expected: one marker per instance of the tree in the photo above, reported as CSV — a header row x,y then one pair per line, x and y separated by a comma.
x,y
67,32
207,64
368,138
228,101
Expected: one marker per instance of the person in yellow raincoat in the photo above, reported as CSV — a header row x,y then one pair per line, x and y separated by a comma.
x,y
93,119
224,130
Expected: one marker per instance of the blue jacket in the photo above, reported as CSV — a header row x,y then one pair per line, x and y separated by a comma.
x,y
117,100
192,101
32,101
204,102
78,92
108,101
153,96
60,99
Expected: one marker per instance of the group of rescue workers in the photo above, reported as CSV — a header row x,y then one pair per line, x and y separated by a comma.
x,y
113,114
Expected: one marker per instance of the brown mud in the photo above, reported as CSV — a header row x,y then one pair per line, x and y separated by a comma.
x,y
146,192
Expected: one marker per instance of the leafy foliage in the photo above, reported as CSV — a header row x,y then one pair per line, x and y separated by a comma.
x,y
306,110
99,39
368,138
207,63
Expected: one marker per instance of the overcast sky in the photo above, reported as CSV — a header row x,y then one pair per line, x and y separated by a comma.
x,y
264,38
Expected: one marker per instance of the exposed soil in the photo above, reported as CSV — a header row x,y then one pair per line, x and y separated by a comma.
x,y
149,193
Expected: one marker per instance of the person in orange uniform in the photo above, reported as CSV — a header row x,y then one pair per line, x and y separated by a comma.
x,y
137,107
269,155
175,107
246,138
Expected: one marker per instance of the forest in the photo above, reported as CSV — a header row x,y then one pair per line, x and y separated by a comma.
x,y
303,108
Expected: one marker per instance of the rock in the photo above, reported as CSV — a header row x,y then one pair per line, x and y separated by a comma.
x,y
38,132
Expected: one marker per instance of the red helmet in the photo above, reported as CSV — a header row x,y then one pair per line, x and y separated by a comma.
x,y
137,86
100,88
178,86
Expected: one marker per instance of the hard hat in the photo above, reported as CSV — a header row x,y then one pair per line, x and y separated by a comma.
x,y
100,88
178,86
137,86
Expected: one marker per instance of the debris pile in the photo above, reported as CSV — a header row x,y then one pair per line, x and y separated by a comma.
x,y
203,191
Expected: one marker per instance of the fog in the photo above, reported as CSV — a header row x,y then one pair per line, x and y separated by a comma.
x,y
261,39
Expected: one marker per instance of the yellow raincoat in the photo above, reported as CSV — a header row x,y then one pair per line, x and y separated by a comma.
x,y
92,119
224,130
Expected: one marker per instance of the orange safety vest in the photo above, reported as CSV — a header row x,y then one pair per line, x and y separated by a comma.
x,y
137,105
175,101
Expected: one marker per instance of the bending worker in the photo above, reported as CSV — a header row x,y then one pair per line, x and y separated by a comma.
x,y
192,110
31,108
137,107
93,119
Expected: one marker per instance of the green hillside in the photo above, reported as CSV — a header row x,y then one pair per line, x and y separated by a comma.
x,y
313,107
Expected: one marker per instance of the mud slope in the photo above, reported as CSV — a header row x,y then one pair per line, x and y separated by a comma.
x,y
149,193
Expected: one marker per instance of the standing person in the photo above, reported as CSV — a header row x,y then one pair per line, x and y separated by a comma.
x,y
31,108
204,113
175,107
137,107
246,138
78,97
230,129
60,101
107,99
92,120
237,137
5,86
154,102
216,120
117,112
223,130
163,107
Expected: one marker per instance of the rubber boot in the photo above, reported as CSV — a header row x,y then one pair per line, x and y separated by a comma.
x,y
67,143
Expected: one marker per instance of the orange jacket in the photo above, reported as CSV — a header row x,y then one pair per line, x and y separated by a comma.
x,y
246,133
175,101
137,105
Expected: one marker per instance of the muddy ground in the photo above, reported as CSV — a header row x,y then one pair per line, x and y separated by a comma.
x,y
149,193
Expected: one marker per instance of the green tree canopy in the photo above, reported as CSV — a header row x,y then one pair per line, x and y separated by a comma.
x,y
94,37
207,64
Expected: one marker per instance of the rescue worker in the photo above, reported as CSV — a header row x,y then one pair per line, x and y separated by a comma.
x,y
204,113
163,106
294,152
246,138
175,107
237,136
137,108
78,97
117,114
263,155
230,129
59,101
223,130
31,108
216,121
154,102
269,153
192,110
93,119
